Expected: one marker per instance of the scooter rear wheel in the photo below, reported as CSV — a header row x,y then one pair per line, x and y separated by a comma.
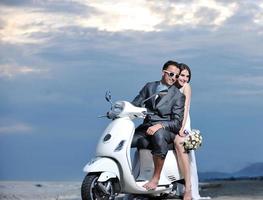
x,y
91,189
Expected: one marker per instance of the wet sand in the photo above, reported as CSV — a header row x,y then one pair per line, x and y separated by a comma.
x,y
218,190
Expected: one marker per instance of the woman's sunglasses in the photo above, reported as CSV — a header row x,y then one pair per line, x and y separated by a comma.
x,y
171,74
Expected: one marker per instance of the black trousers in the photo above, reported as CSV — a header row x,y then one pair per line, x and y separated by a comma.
x,y
158,142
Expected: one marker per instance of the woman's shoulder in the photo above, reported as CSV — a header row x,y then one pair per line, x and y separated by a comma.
x,y
186,90
186,87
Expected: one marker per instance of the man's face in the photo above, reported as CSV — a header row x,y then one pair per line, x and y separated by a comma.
x,y
169,75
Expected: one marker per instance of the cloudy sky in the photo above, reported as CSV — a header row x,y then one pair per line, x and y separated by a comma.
x,y
58,57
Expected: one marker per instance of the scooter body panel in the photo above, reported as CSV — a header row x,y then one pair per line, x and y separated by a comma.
x,y
116,140
115,143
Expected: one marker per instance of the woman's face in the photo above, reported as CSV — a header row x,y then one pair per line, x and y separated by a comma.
x,y
184,77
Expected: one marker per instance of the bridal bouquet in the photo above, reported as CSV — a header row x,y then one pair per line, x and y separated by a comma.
x,y
193,140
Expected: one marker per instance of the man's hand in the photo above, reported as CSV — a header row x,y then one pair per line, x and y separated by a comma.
x,y
152,129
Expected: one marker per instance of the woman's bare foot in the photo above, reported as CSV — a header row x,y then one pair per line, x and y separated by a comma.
x,y
187,195
151,185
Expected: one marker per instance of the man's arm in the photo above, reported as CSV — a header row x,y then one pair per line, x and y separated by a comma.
x,y
177,115
137,101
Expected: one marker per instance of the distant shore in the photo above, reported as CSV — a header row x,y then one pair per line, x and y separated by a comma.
x,y
233,189
228,189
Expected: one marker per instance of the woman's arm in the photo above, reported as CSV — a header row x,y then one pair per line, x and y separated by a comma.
x,y
187,92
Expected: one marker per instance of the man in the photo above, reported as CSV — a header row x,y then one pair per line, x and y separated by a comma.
x,y
159,129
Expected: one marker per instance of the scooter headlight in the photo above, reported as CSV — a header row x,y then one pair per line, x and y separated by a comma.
x,y
117,108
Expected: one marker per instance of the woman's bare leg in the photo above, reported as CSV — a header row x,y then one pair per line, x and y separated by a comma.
x,y
184,164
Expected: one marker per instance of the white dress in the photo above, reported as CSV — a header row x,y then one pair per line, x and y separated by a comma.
x,y
193,168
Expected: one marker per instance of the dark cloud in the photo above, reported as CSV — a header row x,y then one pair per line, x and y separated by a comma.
x,y
2,24
16,2
66,7
180,1
206,15
227,1
51,6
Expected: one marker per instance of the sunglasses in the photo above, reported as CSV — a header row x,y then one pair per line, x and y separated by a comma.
x,y
171,74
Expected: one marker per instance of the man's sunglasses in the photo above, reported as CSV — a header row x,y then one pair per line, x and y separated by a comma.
x,y
171,74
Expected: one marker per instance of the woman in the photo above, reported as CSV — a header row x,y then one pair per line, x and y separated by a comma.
x,y
188,163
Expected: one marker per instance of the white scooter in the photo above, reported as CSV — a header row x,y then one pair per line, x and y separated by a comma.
x,y
112,172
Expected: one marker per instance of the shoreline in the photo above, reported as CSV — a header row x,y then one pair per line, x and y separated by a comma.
x,y
70,190
233,189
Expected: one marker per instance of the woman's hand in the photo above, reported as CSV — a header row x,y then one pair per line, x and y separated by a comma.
x,y
182,133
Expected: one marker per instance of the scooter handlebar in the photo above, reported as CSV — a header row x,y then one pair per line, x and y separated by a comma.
x,y
147,113
126,109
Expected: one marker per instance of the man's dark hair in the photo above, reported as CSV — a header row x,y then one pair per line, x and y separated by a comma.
x,y
170,62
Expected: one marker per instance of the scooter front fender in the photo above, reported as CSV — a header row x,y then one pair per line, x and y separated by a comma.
x,y
104,176
101,164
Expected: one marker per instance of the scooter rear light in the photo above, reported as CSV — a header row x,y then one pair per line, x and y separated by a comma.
x,y
119,146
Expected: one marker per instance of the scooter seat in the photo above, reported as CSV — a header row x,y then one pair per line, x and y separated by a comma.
x,y
143,143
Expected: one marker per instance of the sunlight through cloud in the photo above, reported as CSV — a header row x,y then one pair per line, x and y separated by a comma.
x,y
124,15
259,16
15,128
36,24
30,25
10,71
146,16
202,12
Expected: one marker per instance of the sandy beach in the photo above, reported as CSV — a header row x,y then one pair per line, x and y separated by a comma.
x,y
219,190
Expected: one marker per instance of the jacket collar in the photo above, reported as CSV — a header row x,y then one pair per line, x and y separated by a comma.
x,y
166,97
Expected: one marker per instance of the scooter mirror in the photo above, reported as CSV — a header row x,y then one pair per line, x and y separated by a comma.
x,y
108,96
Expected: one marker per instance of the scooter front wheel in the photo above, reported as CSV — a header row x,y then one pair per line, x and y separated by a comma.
x,y
91,189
